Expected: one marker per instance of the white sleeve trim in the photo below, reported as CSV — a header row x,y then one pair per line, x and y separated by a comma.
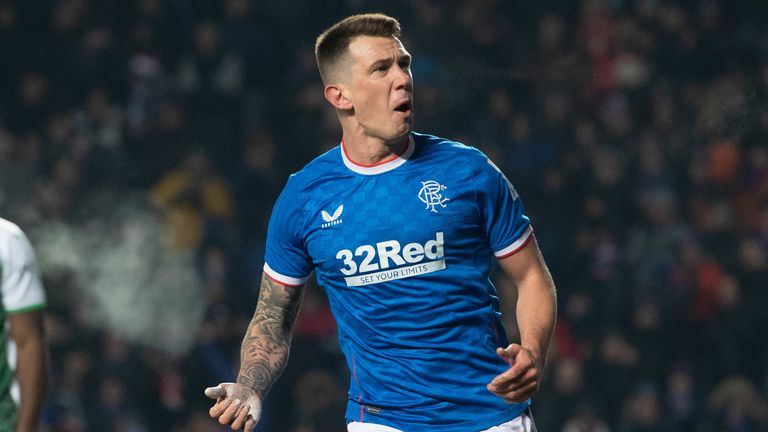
x,y
517,244
283,279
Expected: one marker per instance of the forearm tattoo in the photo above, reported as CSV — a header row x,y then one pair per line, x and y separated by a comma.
x,y
264,351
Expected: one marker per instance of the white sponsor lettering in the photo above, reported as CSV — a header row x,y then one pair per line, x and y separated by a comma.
x,y
389,249
398,273
413,252
434,248
387,254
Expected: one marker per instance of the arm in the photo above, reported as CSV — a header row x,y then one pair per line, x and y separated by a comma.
x,y
264,352
263,356
536,315
26,329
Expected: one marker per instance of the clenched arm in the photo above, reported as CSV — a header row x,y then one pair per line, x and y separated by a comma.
x,y
536,315
263,356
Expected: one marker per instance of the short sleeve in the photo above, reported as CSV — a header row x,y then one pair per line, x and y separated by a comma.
x,y
286,260
501,210
22,290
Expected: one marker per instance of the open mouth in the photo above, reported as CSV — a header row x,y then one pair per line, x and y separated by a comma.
x,y
403,107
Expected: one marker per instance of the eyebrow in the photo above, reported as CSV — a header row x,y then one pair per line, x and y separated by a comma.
x,y
378,63
388,61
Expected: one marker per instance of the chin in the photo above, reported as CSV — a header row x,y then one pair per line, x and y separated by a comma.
x,y
396,138
405,129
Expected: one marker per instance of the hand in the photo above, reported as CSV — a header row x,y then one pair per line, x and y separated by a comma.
x,y
235,405
521,381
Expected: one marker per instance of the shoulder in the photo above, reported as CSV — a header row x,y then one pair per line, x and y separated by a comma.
x,y
306,185
9,231
14,245
317,169
442,148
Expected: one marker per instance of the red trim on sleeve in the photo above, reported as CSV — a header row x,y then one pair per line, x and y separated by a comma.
x,y
281,282
508,254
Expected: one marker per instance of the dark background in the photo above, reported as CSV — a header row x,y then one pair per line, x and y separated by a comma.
x,y
142,144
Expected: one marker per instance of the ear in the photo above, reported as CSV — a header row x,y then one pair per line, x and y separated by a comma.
x,y
336,95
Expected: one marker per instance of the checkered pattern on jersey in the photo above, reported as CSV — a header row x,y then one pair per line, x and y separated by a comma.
x,y
379,208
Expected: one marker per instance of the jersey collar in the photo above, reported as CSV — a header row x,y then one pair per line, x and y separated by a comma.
x,y
381,167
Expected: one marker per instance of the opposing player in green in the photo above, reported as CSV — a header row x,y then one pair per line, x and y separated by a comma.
x,y
22,341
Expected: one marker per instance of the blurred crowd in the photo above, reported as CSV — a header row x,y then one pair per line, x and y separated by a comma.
x,y
635,131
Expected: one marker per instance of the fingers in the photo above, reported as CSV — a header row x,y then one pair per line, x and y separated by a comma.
x,y
510,352
521,395
241,416
521,380
516,393
520,364
230,410
219,407
234,406
506,382
250,424
215,392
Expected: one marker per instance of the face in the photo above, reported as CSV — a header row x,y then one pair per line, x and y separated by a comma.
x,y
380,87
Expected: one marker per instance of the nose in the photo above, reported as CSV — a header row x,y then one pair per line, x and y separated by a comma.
x,y
403,78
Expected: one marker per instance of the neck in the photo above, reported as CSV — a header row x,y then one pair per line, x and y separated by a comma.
x,y
367,150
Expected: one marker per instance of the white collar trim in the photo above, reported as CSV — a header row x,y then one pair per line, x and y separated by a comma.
x,y
381,167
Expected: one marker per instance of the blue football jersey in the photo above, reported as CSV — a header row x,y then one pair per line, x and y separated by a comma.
x,y
404,249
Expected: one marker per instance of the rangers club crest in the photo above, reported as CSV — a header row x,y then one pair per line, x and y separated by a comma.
x,y
431,195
